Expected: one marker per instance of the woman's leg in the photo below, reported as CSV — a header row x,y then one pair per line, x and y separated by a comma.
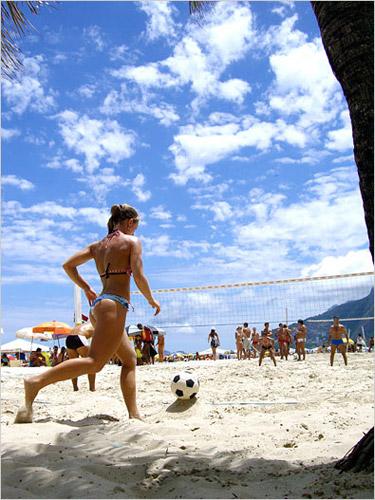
x,y
128,376
110,319
84,352
72,354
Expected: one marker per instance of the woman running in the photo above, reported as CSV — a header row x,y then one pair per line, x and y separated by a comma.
x,y
116,256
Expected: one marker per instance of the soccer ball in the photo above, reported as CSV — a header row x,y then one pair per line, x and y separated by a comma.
x,y
185,385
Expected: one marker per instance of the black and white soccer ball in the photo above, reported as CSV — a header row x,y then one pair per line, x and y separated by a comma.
x,y
185,385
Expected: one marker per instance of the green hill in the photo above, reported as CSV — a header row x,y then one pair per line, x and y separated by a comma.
x,y
361,308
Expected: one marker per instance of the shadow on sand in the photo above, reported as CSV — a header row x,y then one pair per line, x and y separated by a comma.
x,y
131,460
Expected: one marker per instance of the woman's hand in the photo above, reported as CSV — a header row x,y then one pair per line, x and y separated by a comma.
x,y
155,304
91,295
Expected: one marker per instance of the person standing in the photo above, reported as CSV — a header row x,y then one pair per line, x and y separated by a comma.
x,y
117,256
54,356
301,339
239,343
255,341
360,342
267,344
289,339
214,341
77,347
282,340
335,337
246,337
160,345
148,341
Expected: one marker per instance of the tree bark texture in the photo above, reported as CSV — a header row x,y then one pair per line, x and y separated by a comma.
x,y
347,30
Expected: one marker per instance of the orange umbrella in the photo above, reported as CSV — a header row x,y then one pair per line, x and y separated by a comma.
x,y
55,327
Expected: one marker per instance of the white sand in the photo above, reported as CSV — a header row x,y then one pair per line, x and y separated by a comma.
x,y
83,446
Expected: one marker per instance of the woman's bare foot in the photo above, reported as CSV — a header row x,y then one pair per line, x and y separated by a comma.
x,y
25,413
135,416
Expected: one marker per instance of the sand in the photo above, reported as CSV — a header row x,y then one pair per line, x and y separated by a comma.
x,y
82,444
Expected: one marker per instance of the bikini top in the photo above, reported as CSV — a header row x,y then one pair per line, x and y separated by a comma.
x,y
107,273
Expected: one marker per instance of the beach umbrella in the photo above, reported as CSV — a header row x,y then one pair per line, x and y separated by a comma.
x,y
156,330
133,330
57,328
27,333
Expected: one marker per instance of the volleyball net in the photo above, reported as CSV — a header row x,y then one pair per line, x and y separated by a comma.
x,y
315,300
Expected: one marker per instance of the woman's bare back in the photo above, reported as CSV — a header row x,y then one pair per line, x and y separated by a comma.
x,y
112,255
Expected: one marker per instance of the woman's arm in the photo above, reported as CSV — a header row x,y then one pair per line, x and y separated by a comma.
x,y
140,279
70,267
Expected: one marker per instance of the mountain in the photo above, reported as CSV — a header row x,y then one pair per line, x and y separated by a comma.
x,y
361,308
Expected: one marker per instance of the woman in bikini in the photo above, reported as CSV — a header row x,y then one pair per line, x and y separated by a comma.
x,y
267,344
213,339
116,256
77,346
255,341
239,344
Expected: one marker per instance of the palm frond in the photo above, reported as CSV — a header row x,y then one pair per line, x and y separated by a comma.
x,y
200,9
14,23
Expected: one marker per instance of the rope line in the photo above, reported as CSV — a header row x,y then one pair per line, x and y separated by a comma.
x,y
256,283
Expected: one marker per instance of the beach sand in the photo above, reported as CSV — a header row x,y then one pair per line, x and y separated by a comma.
x,y
82,444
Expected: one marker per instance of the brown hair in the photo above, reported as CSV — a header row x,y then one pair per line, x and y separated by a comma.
x,y
119,213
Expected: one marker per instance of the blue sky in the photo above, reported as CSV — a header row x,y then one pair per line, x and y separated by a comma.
x,y
231,137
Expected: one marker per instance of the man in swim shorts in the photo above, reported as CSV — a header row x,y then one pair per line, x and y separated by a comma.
x,y
301,339
335,337
282,340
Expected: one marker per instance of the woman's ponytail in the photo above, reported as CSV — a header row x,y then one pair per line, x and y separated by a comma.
x,y
119,213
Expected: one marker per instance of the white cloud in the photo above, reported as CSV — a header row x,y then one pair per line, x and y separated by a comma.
x,y
234,90
304,88
160,212
328,217
127,101
87,90
94,37
355,261
118,52
201,56
138,188
196,146
13,180
160,19
95,139
28,92
344,159
341,139
221,210
9,133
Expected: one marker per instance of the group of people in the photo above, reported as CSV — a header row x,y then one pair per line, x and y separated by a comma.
x,y
250,343
144,346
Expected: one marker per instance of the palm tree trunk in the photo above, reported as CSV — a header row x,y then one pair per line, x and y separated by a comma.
x,y
347,30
